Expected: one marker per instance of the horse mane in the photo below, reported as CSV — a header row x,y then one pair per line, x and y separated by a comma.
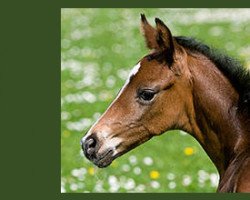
x,y
230,67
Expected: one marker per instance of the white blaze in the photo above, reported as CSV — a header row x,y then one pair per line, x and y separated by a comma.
x,y
115,141
132,73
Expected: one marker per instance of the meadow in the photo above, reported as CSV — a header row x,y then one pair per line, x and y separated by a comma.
x,y
98,49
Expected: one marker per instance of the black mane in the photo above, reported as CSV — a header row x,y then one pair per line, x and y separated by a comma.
x,y
231,68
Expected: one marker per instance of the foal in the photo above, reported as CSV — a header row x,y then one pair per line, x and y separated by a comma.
x,y
182,84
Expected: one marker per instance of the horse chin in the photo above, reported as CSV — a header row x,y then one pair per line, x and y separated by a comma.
x,y
104,160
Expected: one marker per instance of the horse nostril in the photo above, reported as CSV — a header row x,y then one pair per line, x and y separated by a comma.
x,y
91,143
89,147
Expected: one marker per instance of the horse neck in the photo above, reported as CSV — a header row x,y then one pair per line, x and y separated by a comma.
x,y
215,122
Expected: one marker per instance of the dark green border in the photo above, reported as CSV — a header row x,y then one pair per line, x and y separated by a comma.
x,y
157,196
30,98
149,196
156,3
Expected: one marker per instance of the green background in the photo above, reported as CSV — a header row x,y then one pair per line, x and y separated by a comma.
x,y
98,49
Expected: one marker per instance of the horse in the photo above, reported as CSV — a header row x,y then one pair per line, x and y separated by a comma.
x,y
181,84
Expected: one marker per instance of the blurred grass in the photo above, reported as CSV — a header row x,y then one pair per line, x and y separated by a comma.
x,y
98,48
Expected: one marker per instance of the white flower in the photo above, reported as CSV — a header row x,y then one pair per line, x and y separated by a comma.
x,y
203,176
214,178
79,125
110,82
114,184
65,115
137,170
170,176
79,173
112,180
129,184
155,184
172,185
132,160
140,188
73,186
186,180
125,167
114,188
99,186
148,160
75,172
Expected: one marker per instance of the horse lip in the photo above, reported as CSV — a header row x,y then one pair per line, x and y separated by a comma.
x,y
105,159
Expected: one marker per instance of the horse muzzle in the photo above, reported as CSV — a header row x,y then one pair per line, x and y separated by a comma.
x,y
91,147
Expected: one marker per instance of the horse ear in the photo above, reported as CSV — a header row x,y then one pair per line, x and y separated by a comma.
x,y
164,39
149,33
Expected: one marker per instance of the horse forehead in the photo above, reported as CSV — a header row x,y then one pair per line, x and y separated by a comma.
x,y
140,68
142,71
149,68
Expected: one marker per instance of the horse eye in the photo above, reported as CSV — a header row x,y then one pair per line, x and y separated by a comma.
x,y
146,95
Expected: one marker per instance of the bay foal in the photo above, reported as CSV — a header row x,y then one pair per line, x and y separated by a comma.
x,y
182,84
